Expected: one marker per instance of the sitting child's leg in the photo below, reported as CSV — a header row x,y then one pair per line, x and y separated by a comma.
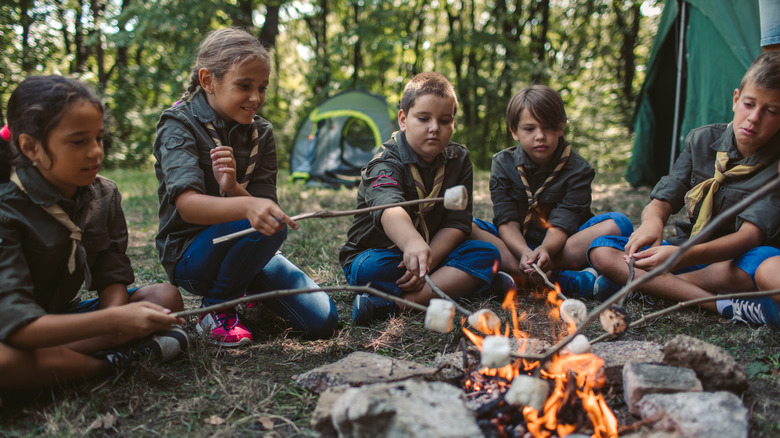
x,y
313,315
162,294
768,275
46,366
487,232
573,274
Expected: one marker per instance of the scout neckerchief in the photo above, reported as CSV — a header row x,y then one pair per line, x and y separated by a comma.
x,y
77,248
704,192
252,155
423,209
533,197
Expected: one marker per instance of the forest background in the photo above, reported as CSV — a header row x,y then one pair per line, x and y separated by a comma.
x,y
138,55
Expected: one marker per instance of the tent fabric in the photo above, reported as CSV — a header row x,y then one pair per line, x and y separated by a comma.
x,y
722,37
339,137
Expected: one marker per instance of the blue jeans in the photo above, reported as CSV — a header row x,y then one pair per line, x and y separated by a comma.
x,y
380,266
769,17
251,265
622,221
747,262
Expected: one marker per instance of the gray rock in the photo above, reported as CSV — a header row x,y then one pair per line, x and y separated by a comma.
x,y
320,418
716,369
618,353
641,379
696,414
406,409
362,368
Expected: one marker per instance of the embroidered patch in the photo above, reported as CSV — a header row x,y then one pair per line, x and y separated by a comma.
x,y
384,180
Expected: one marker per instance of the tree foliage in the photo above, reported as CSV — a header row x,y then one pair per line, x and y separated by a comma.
x,y
138,55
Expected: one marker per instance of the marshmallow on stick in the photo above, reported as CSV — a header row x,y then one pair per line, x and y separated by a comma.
x,y
439,315
496,352
485,320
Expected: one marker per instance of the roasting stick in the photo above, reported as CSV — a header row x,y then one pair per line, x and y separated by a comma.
x,y
455,198
660,269
287,292
547,281
441,294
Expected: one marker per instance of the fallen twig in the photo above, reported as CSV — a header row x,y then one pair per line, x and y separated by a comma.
x,y
287,292
658,270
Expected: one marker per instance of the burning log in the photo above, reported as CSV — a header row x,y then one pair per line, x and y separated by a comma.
x,y
455,198
439,315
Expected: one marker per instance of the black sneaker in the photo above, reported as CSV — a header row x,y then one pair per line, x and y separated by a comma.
x,y
164,345
368,308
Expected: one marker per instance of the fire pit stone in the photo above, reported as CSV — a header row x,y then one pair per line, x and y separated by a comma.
x,y
716,369
641,379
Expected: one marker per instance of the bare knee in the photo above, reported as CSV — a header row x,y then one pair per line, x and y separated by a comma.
x,y
163,294
767,277
605,259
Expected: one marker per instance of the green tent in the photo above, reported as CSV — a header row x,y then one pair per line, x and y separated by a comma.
x,y
339,137
691,76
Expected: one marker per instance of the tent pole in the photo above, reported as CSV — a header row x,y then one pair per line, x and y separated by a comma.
x,y
678,87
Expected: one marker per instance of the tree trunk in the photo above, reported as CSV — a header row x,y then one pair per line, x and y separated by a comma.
x,y
270,29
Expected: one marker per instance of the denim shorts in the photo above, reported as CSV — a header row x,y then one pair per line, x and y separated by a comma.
x,y
747,262
379,266
91,304
622,221
769,15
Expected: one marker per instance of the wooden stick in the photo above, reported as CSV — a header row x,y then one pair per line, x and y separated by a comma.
x,y
441,293
287,292
547,281
330,213
661,269
682,304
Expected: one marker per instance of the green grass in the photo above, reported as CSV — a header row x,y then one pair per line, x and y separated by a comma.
x,y
235,392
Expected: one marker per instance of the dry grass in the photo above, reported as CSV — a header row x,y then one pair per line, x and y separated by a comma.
x,y
251,392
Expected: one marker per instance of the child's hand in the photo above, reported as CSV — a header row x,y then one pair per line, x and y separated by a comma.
x,y
540,256
652,257
646,234
136,320
266,217
417,256
409,282
223,164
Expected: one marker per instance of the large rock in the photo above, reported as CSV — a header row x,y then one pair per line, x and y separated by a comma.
x,y
362,368
696,414
716,369
618,353
407,409
640,379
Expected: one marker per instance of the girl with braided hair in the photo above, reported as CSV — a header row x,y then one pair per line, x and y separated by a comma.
x,y
216,167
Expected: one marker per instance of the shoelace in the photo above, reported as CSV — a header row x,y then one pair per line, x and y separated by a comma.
x,y
224,319
747,311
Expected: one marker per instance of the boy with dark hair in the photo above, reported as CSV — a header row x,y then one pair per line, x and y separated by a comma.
x,y
393,249
721,164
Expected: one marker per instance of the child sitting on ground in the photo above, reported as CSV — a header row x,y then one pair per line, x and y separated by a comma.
x,y
61,226
393,249
216,165
721,164
541,193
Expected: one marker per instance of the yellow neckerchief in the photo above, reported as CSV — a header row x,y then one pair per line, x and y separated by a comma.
x,y
62,217
704,192
423,209
253,155
533,197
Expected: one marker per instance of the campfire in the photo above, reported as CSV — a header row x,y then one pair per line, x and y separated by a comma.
x,y
515,397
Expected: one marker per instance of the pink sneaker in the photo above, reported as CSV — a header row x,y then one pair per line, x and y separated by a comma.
x,y
224,328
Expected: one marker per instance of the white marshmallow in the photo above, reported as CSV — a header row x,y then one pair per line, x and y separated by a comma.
x,y
485,320
439,315
573,311
496,352
456,198
527,391
578,345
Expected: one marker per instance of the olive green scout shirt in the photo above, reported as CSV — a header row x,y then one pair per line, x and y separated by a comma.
x,y
697,163
565,201
386,179
34,247
183,153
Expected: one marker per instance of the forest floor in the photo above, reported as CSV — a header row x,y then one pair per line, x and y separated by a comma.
x,y
251,392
